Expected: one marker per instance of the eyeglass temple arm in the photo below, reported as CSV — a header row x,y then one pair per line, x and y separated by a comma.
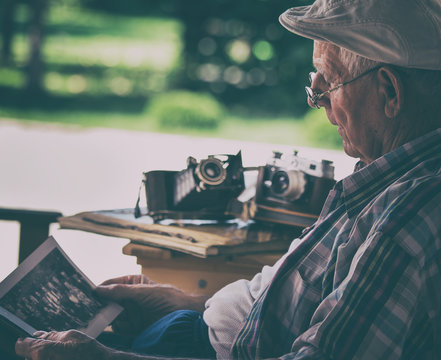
x,y
319,96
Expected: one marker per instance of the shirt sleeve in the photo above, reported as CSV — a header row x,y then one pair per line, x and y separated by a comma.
x,y
227,310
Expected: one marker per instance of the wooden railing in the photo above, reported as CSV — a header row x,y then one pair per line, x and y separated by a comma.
x,y
34,227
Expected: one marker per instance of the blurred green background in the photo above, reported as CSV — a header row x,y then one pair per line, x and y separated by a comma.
x,y
217,68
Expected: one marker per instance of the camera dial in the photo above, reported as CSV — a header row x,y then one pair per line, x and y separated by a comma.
x,y
211,171
287,184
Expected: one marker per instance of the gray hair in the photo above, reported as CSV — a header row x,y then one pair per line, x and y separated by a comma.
x,y
354,63
426,83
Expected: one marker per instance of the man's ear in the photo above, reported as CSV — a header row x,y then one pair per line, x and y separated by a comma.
x,y
392,89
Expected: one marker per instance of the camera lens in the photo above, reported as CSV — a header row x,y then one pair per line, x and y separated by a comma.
x,y
288,184
211,171
280,182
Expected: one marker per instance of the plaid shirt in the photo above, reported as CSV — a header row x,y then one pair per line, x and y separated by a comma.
x,y
363,283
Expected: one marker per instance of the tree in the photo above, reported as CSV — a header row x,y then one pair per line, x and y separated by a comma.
x,y
237,51
7,29
35,66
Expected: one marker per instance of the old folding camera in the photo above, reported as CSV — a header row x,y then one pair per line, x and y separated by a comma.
x,y
201,191
291,190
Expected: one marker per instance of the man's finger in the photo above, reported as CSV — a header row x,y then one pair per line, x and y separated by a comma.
x,y
115,291
51,335
118,292
23,347
117,280
128,279
39,333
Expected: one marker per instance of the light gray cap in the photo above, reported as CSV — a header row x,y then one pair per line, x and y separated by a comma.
x,y
400,32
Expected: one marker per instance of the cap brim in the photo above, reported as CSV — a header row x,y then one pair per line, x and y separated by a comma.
x,y
296,21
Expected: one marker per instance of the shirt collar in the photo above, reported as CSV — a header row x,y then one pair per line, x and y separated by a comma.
x,y
369,180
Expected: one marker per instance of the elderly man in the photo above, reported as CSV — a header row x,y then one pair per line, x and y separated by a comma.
x,y
364,282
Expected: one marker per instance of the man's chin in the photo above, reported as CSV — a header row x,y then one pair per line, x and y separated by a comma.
x,y
349,150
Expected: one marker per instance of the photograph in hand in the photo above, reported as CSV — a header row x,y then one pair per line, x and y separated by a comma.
x,y
48,292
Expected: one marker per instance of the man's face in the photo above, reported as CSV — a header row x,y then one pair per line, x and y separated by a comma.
x,y
354,108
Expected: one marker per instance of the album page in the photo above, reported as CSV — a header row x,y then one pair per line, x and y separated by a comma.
x,y
48,292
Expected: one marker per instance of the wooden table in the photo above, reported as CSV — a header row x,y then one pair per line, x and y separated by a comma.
x,y
197,258
194,274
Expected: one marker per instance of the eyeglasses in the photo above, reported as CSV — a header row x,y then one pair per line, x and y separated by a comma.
x,y
315,97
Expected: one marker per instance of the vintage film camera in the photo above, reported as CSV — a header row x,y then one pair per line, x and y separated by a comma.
x,y
201,191
291,190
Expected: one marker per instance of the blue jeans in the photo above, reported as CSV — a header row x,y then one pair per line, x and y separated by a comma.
x,y
182,333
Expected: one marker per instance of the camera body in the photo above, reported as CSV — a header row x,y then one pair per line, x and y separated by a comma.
x,y
291,189
202,190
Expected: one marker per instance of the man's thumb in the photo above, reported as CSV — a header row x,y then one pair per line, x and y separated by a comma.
x,y
115,292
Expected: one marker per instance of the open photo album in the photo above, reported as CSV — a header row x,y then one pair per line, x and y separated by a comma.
x,y
47,291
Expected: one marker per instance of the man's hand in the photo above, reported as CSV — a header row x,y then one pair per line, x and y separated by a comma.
x,y
145,301
66,345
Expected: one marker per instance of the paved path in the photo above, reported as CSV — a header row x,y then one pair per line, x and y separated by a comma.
x,y
71,169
